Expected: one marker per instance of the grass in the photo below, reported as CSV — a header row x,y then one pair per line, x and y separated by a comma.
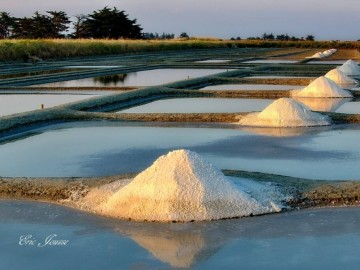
x,y
23,50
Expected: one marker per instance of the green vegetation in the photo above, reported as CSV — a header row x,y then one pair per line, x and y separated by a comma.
x,y
282,37
24,50
107,23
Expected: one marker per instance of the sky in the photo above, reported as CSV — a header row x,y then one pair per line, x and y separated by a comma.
x,y
325,19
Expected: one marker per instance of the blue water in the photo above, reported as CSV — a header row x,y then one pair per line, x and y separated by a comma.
x,y
201,105
141,78
308,239
105,148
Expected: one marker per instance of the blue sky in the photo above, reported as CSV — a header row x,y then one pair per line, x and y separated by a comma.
x,y
326,19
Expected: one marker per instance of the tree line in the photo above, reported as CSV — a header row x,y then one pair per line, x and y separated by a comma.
x,y
104,23
282,37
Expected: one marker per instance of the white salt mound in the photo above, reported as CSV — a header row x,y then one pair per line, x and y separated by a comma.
x,y
339,77
322,87
323,104
350,67
323,54
285,112
181,186
318,55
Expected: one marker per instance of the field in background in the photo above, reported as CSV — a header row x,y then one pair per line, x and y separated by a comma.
x,y
24,50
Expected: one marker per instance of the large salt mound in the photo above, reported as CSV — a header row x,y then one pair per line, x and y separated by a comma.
x,y
339,77
181,186
285,112
350,68
322,87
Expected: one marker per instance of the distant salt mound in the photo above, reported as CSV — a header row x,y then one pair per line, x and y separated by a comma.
x,y
181,186
323,54
317,55
350,67
322,87
285,112
330,52
339,77
327,53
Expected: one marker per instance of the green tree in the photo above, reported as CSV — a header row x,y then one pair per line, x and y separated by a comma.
x,y
80,28
6,24
60,23
310,38
109,23
41,26
184,35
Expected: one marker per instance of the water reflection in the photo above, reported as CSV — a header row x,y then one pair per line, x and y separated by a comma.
x,y
282,132
265,242
252,87
111,79
40,72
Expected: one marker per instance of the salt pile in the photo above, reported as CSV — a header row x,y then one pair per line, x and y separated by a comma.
x,y
339,77
323,104
285,112
324,54
330,52
322,87
350,67
317,55
181,186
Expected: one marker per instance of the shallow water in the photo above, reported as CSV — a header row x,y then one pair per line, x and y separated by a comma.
x,y
277,77
330,62
88,67
251,87
271,61
141,78
201,105
17,103
106,148
309,239
213,61
40,72
350,107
